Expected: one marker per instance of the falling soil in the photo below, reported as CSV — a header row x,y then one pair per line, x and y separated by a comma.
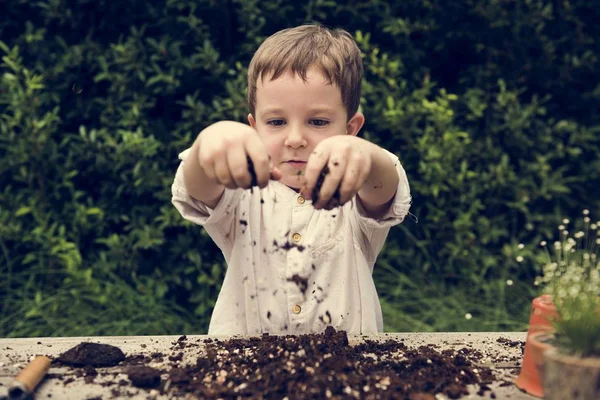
x,y
92,354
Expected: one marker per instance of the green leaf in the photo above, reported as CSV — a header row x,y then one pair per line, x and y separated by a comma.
x,y
22,211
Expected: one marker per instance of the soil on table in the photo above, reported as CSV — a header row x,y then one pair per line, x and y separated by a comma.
x,y
92,354
322,365
144,377
326,366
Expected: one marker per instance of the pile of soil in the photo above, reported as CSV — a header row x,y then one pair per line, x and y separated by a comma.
x,y
325,365
300,367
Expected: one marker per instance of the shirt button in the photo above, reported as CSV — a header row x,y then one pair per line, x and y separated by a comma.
x,y
296,237
296,309
301,200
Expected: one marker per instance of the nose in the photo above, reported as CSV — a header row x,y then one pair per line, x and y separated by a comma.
x,y
295,137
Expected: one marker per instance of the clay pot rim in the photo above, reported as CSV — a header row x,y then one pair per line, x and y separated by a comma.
x,y
545,301
556,354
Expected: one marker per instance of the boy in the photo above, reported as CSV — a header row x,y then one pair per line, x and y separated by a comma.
x,y
300,248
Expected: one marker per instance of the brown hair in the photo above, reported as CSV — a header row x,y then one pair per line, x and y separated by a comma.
x,y
294,50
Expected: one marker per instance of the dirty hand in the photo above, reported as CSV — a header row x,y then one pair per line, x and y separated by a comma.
x,y
336,170
233,155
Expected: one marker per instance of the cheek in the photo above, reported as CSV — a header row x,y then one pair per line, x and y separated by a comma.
x,y
273,146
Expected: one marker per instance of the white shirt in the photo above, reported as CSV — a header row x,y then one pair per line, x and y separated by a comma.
x,y
334,251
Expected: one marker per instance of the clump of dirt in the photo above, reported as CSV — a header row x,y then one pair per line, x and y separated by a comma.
x,y
92,354
335,199
144,377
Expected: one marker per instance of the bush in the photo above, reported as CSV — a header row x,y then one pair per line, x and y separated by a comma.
x,y
491,108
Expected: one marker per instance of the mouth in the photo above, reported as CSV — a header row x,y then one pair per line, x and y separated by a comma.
x,y
296,163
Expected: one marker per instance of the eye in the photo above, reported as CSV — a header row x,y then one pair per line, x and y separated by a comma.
x,y
276,122
319,122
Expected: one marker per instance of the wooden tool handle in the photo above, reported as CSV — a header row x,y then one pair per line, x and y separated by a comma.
x,y
34,372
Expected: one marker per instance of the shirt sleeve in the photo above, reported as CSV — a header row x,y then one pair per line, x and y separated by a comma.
x,y
218,221
375,230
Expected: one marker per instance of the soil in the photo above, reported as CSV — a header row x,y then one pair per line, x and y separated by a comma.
x,y
325,365
335,199
144,377
311,366
252,172
92,354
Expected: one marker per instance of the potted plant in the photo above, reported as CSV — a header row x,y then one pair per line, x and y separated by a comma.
x,y
571,278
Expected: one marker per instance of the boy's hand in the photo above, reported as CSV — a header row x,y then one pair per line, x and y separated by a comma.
x,y
336,170
233,155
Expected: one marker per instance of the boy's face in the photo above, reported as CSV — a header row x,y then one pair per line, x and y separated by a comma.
x,y
293,116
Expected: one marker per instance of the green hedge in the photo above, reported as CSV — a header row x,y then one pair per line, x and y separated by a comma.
x,y
491,106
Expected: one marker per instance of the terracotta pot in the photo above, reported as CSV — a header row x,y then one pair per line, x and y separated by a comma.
x,y
570,378
542,312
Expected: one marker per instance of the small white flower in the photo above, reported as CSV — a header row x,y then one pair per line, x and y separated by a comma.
x,y
543,243
586,212
565,233
509,282
598,241
579,235
593,227
521,246
561,227
587,220
566,221
519,259
468,316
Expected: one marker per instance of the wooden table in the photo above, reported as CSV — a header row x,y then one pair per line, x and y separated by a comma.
x,y
16,353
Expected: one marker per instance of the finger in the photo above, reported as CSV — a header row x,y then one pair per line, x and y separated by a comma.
x,y
314,174
222,172
259,158
349,182
207,164
238,166
363,175
331,183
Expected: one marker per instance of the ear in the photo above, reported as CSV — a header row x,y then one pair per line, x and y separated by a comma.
x,y
355,123
251,121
